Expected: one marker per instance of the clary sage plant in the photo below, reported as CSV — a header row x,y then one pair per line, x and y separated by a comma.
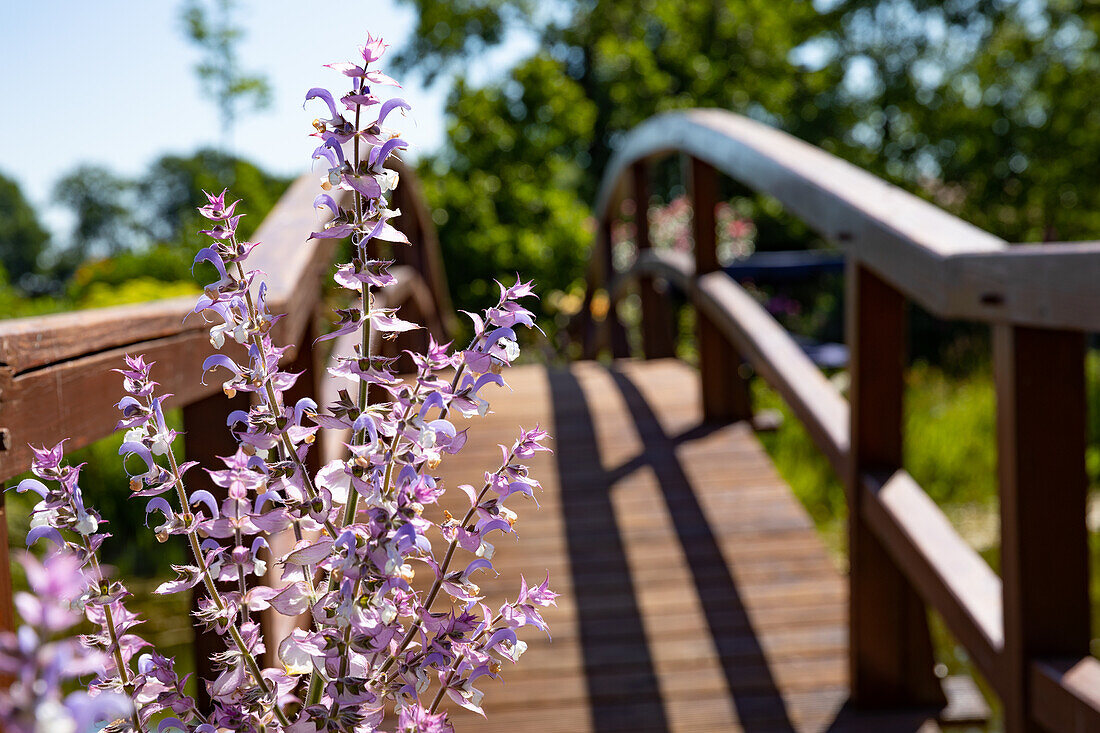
x,y
396,622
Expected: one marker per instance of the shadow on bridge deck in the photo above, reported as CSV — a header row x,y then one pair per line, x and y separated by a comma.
x,y
696,594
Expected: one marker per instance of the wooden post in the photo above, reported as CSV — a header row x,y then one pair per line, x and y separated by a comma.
x,y
657,340
1041,402
890,653
584,328
206,437
620,349
725,391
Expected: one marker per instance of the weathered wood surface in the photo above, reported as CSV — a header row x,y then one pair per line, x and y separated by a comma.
x,y
696,595
947,571
1065,694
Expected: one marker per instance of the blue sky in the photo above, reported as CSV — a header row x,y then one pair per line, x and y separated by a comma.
x,y
112,82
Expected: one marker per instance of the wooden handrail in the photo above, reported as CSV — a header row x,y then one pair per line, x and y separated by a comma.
x,y
1066,694
952,268
960,584
1029,634
761,340
57,379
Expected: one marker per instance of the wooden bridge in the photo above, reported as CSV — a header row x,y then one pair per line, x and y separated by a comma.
x,y
696,594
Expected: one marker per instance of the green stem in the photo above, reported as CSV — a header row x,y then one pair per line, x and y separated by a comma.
x,y
446,683
116,648
215,596
442,573
458,661
286,448
365,330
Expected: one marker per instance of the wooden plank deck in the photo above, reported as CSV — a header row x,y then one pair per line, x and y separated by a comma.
x,y
696,594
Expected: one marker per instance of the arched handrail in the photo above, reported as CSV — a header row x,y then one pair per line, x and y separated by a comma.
x,y
1027,631
952,268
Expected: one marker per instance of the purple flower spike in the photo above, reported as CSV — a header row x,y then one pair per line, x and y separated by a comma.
x,y
381,644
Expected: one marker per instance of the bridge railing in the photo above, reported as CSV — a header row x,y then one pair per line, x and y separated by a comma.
x,y
1027,630
55,371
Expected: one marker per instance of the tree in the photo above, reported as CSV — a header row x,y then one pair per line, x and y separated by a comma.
x,y
514,185
174,184
147,228
102,204
985,106
22,238
212,30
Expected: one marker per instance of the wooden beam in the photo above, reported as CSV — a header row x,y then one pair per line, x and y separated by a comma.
x,y
76,399
292,265
890,654
725,392
759,338
1041,430
1065,694
612,327
776,357
949,574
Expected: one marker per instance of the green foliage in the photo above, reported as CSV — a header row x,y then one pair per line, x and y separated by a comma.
x,y
950,435
102,203
801,464
211,28
14,303
161,263
985,107
173,187
513,188
138,290
950,445
133,548
458,29
504,196
148,227
22,238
